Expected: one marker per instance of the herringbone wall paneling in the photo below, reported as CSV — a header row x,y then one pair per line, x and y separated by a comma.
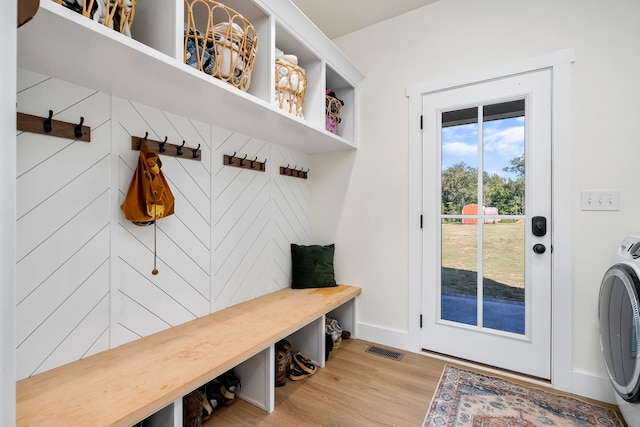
x,y
289,211
146,303
62,228
84,281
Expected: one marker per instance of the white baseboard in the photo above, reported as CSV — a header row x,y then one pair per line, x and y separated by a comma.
x,y
592,386
582,384
389,337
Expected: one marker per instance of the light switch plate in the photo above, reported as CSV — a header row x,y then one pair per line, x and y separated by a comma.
x,y
600,200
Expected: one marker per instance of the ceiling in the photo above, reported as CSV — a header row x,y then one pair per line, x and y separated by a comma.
x,y
336,18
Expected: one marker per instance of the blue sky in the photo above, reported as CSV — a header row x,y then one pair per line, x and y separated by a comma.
x,y
503,140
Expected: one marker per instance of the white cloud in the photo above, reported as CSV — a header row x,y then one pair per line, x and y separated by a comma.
x,y
507,142
460,149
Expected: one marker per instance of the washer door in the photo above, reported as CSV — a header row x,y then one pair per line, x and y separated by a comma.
x,y
619,329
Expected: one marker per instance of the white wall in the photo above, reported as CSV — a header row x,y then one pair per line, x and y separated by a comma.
x,y
369,218
83,272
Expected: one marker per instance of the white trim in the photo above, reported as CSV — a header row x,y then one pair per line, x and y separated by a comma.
x,y
8,71
495,72
593,387
562,276
388,337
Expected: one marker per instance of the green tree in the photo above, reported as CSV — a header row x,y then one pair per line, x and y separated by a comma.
x,y
459,188
518,168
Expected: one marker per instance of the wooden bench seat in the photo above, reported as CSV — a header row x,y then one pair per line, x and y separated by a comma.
x,y
123,385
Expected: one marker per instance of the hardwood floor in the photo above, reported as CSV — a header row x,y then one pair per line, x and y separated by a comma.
x,y
354,389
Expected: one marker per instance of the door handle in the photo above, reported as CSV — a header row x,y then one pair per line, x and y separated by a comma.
x,y
539,248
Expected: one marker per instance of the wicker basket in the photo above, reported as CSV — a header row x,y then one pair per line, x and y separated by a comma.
x,y
115,14
224,47
291,87
333,112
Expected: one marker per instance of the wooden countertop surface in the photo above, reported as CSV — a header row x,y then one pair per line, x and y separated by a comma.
x,y
125,384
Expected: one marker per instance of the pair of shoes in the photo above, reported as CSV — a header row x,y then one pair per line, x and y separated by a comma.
x,y
297,374
230,382
302,367
283,362
222,390
333,328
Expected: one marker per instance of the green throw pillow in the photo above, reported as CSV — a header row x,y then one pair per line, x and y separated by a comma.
x,y
312,266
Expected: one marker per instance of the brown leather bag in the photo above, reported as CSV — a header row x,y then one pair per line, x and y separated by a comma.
x,y
149,196
26,10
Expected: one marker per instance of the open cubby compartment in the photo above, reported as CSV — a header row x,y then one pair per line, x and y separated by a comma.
x,y
347,93
259,19
169,416
257,377
155,25
313,110
310,341
346,316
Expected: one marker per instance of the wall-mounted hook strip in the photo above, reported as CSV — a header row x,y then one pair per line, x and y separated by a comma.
x,y
49,126
301,173
163,147
241,162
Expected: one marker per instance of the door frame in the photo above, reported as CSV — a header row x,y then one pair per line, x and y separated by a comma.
x,y
561,269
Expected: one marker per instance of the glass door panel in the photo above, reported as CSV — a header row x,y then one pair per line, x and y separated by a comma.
x,y
483,159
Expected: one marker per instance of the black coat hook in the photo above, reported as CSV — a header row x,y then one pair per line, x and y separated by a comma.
x,y
78,129
242,160
47,122
253,162
179,149
194,152
161,145
231,157
263,165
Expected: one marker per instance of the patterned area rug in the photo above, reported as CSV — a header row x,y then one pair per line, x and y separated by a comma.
x,y
467,399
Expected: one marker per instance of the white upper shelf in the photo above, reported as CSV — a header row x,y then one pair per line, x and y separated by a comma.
x,y
63,44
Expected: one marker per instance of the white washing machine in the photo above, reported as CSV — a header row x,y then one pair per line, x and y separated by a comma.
x,y
619,316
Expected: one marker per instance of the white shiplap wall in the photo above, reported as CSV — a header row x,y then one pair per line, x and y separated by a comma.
x,y
84,281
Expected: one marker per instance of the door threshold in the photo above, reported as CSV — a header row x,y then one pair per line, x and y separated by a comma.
x,y
489,369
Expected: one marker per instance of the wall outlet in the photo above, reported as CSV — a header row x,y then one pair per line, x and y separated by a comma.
x,y
600,200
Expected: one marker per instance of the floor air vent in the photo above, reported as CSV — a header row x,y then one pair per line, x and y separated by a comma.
x,y
394,355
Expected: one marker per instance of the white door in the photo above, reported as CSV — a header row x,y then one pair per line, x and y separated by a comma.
x,y
487,223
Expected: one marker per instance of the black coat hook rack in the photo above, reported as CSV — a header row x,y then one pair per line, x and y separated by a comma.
x,y
49,126
243,162
165,148
296,173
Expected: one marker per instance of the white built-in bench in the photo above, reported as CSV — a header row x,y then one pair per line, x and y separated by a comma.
x,y
148,377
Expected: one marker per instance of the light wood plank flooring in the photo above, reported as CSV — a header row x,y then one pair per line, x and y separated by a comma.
x,y
354,389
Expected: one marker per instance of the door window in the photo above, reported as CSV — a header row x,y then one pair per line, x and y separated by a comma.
x,y
483,158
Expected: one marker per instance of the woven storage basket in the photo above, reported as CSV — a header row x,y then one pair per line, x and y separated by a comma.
x,y
224,46
291,87
115,14
333,112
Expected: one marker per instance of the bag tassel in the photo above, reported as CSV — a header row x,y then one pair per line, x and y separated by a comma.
x,y
155,227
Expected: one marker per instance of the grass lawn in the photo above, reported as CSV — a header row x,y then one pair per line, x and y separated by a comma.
x,y
503,260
